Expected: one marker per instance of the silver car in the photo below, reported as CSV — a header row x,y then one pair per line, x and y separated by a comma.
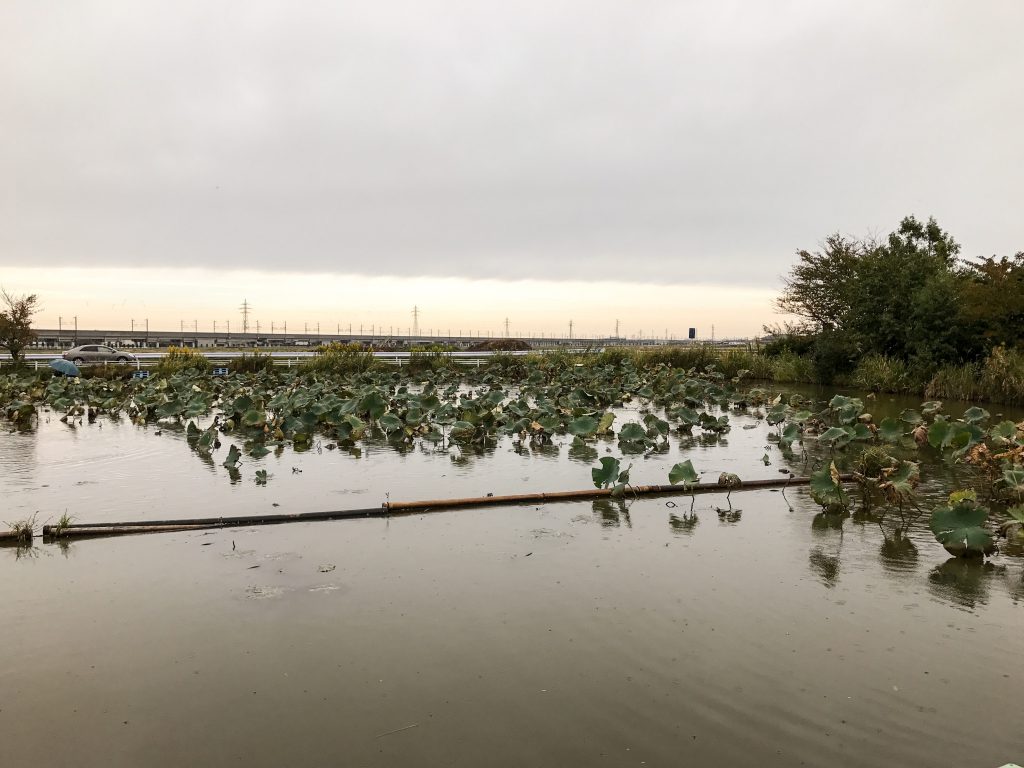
x,y
97,353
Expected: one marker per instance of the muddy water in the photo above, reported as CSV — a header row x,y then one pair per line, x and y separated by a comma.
x,y
570,634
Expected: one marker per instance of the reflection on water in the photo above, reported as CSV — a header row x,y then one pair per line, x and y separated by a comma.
x,y
825,566
612,513
685,524
962,581
898,553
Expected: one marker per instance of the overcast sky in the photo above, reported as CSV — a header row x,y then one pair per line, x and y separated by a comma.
x,y
671,142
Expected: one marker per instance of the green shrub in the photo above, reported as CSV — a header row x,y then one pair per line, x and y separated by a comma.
x,y
1002,376
180,359
340,358
436,357
795,343
254,363
790,368
880,373
833,356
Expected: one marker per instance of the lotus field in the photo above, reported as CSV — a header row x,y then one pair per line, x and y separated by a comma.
x,y
612,416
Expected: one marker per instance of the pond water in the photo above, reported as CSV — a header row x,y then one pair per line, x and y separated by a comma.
x,y
562,634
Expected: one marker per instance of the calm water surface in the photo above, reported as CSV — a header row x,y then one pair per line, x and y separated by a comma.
x,y
561,635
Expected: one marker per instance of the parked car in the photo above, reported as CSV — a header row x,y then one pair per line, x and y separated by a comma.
x,y
97,353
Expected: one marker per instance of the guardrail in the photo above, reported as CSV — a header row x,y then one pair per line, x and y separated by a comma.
x,y
144,360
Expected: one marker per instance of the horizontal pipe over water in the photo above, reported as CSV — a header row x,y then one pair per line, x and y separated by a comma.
x,y
407,507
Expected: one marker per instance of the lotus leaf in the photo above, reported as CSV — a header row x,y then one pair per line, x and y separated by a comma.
x,y
1013,479
911,417
607,473
975,415
632,432
891,430
900,483
584,426
827,488
836,436
684,473
234,456
958,528
390,423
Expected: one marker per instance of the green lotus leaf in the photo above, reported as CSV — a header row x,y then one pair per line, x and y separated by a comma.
x,y
891,430
389,422
975,415
607,473
826,487
911,417
632,432
684,473
958,529
1013,479
584,426
836,436
373,404
234,456
789,434
254,418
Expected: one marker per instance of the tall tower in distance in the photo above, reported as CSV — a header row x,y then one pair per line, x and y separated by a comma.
x,y
245,309
415,321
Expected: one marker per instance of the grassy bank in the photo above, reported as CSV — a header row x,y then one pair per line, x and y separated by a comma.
x,y
997,379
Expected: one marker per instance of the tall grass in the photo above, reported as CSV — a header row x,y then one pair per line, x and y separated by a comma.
x,y
999,379
340,358
880,373
254,363
432,358
790,368
180,359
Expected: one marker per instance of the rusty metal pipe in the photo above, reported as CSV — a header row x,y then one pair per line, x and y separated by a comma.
x,y
78,530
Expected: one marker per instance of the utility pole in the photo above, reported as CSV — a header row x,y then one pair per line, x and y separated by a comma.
x,y
712,333
133,326
147,331
616,329
60,322
415,321
506,327
246,308
76,330
570,330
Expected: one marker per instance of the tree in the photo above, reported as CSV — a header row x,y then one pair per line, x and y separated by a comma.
x,y
901,296
818,288
994,299
16,322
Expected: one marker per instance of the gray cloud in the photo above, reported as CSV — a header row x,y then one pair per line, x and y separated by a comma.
x,y
681,141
